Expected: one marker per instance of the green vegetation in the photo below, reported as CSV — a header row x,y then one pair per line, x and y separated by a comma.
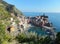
x,y
35,39
3,36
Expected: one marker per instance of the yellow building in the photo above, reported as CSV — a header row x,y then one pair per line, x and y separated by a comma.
x,y
12,28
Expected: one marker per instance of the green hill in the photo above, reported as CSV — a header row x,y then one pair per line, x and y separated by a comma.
x,y
6,10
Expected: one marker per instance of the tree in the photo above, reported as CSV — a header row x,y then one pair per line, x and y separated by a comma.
x,y
57,40
47,40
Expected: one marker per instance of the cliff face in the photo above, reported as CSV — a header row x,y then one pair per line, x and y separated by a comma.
x,y
6,10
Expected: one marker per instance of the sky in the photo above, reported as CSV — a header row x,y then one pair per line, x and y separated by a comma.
x,y
36,5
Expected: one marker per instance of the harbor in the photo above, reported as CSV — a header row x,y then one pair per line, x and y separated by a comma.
x,y
43,22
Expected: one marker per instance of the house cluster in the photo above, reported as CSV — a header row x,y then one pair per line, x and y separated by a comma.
x,y
21,26
40,21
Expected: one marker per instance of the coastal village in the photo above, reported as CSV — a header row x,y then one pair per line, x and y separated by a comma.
x,y
15,28
20,23
25,23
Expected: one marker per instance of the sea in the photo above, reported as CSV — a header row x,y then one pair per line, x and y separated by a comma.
x,y
53,17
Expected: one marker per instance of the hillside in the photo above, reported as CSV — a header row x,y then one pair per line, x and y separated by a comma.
x,y
6,10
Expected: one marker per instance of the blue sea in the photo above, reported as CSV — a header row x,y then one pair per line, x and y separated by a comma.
x,y
53,17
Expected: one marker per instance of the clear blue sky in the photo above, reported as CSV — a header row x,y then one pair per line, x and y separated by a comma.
x,y
36,5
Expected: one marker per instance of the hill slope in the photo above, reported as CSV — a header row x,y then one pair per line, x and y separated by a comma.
x,y
6,10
